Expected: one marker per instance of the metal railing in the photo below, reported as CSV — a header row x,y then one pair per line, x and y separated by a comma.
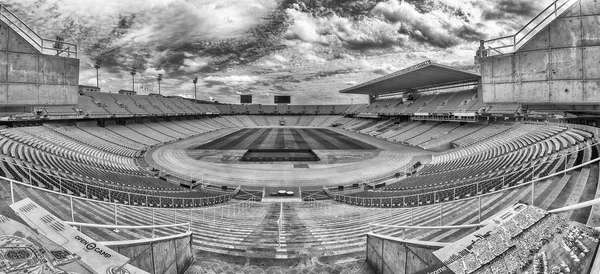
x,y
280,224
476,185
44,46
169,218
470,226
511,43
134,196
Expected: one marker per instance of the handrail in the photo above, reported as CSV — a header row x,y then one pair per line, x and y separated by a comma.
x,y
428,243
125,226
532,27
427,227
558,210
207,198
32,37
200,208
576,206
341,197
280,223
19,163
148,240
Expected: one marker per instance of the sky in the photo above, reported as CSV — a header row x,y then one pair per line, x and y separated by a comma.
x,y
308,49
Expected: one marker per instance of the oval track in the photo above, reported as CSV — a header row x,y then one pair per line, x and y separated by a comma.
x,y
174,158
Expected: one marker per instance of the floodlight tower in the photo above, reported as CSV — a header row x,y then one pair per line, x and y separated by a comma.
x,y
195,95
133,72
159,79
97,67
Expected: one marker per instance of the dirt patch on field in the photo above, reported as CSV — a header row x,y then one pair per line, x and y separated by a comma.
x,y
326,156
345,156
217,155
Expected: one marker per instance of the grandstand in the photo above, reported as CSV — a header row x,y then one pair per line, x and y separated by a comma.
x,y
436,147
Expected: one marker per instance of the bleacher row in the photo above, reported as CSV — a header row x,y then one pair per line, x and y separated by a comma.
x,y
257,109
107,105
428,135
322,228
99,162
504,156
442,103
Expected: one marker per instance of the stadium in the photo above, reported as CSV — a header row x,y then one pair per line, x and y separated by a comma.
x,y
444,170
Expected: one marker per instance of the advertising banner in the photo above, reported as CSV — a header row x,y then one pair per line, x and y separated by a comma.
x,y
97,257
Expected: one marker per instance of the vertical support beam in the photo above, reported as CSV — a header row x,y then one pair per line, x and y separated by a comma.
x,y
479,209
153,223
116,217
532,192
441,215
12,193
72,212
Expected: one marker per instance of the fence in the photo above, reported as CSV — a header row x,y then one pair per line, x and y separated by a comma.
x,y
280,224
149,219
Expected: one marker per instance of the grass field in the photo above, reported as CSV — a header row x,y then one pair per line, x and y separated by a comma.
x,y
285,138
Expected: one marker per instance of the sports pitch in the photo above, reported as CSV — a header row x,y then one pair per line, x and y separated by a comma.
x,y
286,138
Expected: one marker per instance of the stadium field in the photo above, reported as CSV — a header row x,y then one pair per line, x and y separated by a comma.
x,y
184,158
286,138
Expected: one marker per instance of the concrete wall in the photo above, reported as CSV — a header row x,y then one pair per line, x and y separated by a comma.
x,y
391,256
172,256
28,77
560,65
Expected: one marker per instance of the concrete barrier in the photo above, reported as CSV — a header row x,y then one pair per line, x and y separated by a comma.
x,y
166,255
398,256
30,78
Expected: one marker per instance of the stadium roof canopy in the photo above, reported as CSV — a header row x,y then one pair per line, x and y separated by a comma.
x,y
424,75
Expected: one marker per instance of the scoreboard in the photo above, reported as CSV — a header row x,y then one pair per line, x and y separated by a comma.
x,y
245,99
280,99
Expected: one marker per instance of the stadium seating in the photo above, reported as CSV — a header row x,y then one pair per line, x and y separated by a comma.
x,y
457,102
66,112
109,103
128,103
318,228
506,158
296,109
239,109
91,108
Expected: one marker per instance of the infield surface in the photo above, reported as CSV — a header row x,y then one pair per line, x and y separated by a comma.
x,y
286,138
186,159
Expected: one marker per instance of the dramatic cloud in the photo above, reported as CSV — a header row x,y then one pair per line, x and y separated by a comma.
x,y
232,80
309,49
193,65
